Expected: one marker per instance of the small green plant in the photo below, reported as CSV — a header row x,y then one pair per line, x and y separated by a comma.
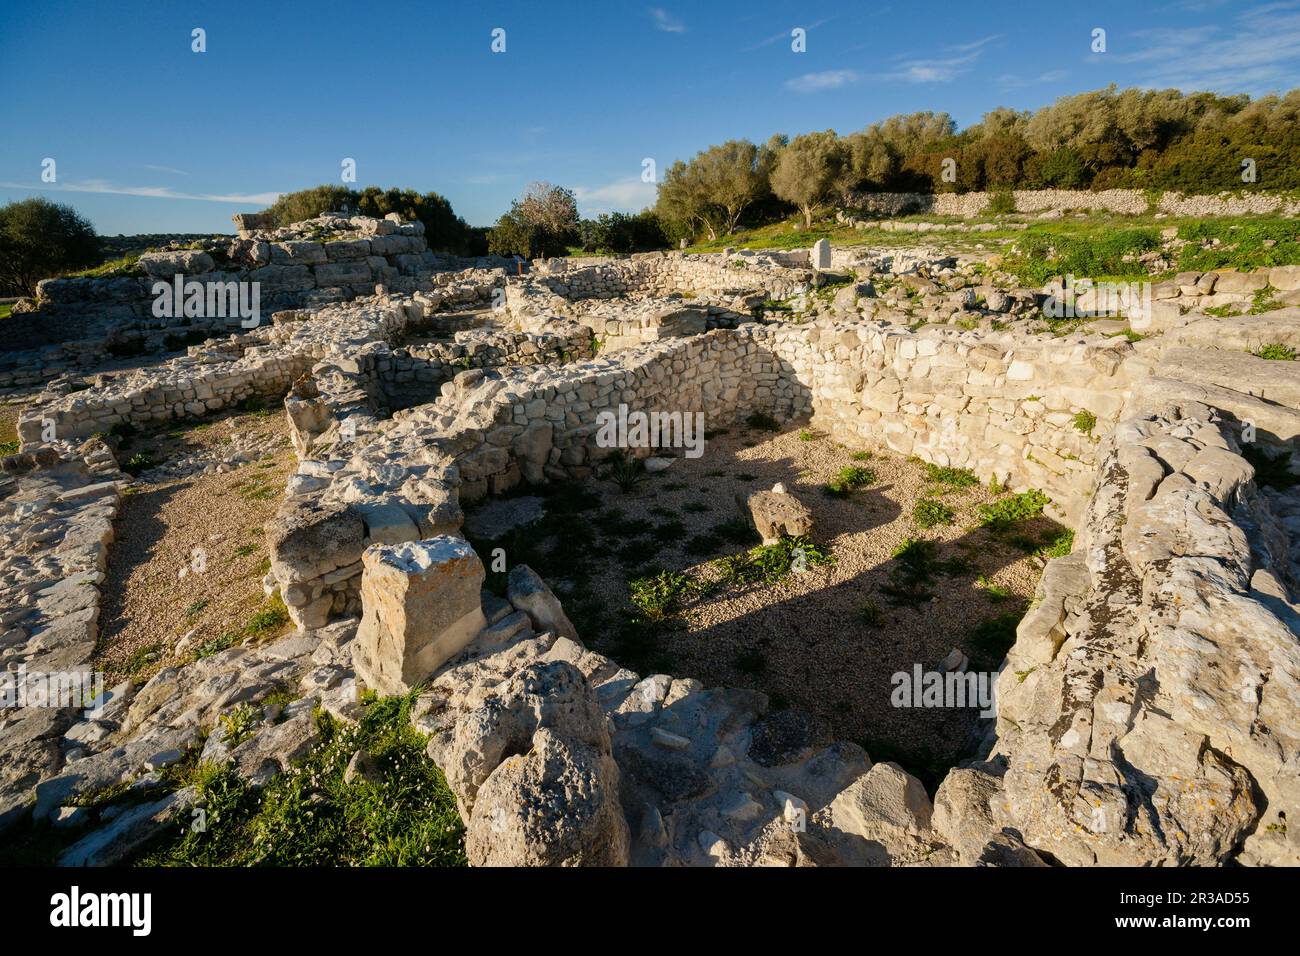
x,y
930,512
991,639
951,479
861,456
1276,352
1006,512
997,594
1221,311
870,614
661,595
1002,202
1085,421
271,617
808,435
238,723
1061,546
196,608
625,471
848,480
1264,300
769,563
137,463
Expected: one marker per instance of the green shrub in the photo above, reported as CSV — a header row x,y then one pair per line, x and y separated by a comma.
x,y
1002,202
951,478
849,479
661,595
1007,511
929,512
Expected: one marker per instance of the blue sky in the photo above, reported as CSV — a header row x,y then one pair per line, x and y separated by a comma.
x,y
149,136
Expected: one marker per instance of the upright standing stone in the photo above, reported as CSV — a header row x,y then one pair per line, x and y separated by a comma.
x,y
821,254
421,606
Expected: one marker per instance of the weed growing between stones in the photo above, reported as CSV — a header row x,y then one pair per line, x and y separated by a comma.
x,y
311,816
945,480
1276,352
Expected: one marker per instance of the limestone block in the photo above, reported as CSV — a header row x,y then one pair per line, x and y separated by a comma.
x,y
778,512
421,606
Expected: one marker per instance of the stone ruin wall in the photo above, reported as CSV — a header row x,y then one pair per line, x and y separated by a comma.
x,y
1128,202
1181,570
93,320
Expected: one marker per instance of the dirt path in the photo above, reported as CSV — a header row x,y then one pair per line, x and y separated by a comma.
x,y
189,555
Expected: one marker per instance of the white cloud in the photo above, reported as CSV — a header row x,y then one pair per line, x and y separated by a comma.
x,y
826,80
622,195
941,69
666,22
166,169
785,34
150,192
1257,53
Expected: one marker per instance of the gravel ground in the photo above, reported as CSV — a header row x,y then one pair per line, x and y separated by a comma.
x,y
155,594
803,640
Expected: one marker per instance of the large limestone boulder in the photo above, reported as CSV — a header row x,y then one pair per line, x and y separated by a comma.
x,y
421,606
778,512
557,805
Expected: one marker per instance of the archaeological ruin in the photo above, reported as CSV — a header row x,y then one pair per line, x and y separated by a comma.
x,y
443,420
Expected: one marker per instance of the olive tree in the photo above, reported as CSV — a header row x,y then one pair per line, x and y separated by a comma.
x,y
811,171
39,239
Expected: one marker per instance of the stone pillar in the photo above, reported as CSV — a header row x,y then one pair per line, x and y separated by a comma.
x,y
421,606
821,254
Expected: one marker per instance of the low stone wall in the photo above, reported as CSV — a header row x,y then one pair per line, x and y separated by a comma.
x,y
81,322
1128,202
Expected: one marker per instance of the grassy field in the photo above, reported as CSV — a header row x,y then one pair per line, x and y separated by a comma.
x,y
1099,246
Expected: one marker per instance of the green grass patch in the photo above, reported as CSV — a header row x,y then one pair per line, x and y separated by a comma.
x,y
930,512
1276,352
1006,512
310,817
848,480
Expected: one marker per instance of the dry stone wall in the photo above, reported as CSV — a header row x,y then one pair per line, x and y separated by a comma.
x,y
1129,202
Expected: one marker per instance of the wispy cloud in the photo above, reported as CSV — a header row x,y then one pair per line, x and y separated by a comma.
x,y
666,22
826,80
785,34
622,195
149,192
959,59
165,169
1258,52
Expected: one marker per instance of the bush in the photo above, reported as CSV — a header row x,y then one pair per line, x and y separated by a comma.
x,y
1002,202
40,239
